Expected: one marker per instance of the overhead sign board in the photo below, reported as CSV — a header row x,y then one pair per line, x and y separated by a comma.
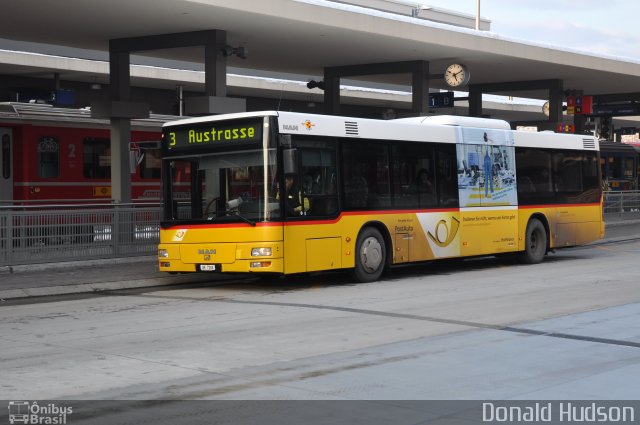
x,y
441,100
579,105
617,109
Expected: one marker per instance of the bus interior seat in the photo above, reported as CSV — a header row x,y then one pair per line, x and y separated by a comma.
x,y
358,192
326,205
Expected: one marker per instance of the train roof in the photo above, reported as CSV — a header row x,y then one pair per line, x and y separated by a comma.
x,y
50,115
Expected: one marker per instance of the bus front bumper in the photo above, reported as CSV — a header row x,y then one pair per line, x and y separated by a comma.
x,y
226,258
274,265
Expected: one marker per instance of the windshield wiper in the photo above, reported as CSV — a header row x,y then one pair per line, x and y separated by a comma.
x,y
246,220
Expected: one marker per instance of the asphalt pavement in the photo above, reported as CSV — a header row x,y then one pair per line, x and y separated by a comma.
x,y
49,279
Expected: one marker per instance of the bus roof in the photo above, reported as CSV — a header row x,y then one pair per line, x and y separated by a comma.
x,y
440,128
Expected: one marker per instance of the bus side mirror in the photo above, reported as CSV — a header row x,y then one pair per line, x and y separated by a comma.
x,y
289,157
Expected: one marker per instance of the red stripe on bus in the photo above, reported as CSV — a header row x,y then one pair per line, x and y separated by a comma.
x,y
358,213
223,226
310,222
527,207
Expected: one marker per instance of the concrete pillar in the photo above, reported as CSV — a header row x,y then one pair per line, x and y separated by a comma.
x,y
120,172
331,95
475,101
420,88
215,66
120,128
418,70
556,96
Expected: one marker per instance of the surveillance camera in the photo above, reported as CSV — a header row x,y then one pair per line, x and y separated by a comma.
x,y
241,52
313,84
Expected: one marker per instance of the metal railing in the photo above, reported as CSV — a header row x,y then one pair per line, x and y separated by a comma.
x,y
32,234
53,233
621,205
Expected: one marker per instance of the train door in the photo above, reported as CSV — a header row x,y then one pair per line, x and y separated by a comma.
x,y
6,164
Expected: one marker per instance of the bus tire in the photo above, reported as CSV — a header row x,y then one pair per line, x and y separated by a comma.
x,y
535,247
371,254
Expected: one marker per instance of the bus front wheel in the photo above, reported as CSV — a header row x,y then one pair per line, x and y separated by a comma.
x,y
535,243
370,255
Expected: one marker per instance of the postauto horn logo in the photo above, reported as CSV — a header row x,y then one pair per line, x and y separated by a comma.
x,y
444,236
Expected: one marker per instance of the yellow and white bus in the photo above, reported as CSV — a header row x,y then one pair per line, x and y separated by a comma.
x,y
282,192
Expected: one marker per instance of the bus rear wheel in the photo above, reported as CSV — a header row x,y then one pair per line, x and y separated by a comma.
x,y
371,254
535,243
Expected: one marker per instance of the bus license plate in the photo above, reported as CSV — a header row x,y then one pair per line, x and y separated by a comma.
x,y
208,267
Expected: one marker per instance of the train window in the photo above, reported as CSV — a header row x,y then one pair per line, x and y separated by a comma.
x,y
48,157
150,164
6,156
96,158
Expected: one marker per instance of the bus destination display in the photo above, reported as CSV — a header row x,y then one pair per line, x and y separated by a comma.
x,y
213,134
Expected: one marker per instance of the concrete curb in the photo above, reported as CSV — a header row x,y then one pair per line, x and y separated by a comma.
x,y
23,268
621,223
80,288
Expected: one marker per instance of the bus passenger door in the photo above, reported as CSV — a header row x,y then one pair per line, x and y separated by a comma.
x,y
6,164
313,240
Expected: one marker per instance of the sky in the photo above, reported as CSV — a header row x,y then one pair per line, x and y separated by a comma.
x,y
601,27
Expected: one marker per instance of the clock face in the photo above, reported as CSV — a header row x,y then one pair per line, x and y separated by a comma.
x,y
545,108
456,75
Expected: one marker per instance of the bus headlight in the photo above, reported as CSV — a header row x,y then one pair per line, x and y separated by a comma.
x,y
260,252
163,253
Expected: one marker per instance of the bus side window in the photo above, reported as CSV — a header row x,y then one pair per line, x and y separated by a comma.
x,y
533,173
446,174
366,175
413,176
318,168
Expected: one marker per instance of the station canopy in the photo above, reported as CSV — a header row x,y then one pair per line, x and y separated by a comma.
x,y
301,37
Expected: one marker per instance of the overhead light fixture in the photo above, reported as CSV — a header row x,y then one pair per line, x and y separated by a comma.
x,y
311,103
313,84
240,52
95,85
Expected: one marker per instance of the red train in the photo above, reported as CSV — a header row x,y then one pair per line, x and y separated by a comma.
x,y
54,155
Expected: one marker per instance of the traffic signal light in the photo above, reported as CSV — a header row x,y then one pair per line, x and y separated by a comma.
x,y
605,128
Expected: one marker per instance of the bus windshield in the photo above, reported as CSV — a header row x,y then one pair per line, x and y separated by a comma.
x,y
235,186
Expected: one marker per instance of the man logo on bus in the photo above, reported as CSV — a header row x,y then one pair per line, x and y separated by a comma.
x,y
444,236
308,125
